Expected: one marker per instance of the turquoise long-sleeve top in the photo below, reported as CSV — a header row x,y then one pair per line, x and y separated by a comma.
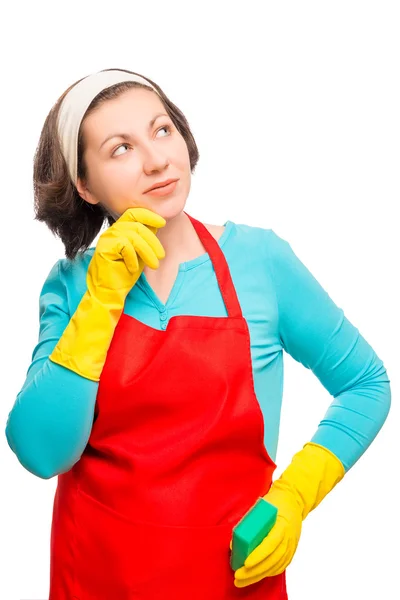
x,y
286,309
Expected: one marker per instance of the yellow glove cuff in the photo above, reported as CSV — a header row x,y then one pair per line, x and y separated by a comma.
x,y
84,343
312,474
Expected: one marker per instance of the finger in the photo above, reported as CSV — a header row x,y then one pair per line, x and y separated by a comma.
x,y
271,572
241,583
265,566
267,546
280,566
151,239
144,250
129,255
143,215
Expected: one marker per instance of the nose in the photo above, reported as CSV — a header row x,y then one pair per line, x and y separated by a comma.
x,y
154,159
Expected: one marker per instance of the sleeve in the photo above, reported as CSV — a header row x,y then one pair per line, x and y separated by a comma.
x,y
51,420
317,334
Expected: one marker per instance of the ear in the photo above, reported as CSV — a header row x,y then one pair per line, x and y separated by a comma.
x,y
85,193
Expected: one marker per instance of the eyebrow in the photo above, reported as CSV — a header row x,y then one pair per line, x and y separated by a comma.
x,y
125,136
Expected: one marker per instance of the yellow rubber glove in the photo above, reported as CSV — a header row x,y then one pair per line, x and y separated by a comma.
x,y
117,263
312,474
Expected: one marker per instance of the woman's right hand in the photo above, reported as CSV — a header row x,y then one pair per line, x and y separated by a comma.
x,y
117,262
123,250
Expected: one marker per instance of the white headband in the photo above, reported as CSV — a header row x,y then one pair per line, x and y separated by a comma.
x,y
74,106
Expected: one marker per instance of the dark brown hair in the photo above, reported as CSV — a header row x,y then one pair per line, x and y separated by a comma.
x,y
56,199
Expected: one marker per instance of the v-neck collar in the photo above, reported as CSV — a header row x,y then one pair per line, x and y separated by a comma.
x,y
144,285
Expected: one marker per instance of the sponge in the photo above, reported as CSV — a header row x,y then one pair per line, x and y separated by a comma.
x,y
251,530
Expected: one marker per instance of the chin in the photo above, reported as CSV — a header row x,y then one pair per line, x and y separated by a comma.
x,y
168,208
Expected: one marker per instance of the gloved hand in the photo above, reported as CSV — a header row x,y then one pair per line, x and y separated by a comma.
x,y
112,272
312,474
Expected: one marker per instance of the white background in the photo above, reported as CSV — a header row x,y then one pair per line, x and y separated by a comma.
x,y
295,109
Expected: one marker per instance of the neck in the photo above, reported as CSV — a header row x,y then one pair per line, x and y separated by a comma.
x,y
177,236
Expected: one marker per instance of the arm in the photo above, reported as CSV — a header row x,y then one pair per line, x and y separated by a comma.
x,y
50,422
315,332
116,265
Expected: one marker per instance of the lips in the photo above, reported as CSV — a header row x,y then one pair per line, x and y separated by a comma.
x,y
165,190
161,184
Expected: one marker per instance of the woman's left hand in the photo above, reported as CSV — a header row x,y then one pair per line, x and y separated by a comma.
x,y
312,474
276,551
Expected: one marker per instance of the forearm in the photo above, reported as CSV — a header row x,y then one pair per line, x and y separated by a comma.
x,y
84,343
51,420
362,399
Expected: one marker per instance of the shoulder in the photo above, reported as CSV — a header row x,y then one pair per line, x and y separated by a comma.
x,y
69,277
215,230
74,268
263,239
252,236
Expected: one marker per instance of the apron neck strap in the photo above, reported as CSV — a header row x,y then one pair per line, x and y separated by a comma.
x,y
221,267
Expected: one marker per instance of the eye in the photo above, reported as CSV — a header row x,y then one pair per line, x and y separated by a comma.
x,y
166,127
117,148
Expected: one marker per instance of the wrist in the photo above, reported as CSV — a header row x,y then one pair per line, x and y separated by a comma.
x,y
312,474
85,341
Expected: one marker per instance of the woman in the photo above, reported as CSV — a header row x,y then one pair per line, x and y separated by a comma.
x,y
155,388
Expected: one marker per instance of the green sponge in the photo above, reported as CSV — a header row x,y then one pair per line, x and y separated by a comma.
x,y
251,530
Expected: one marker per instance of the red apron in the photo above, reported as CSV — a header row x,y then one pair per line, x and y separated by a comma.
x,y
175,458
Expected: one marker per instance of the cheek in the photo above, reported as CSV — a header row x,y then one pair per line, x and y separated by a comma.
x,y
118,174
103,174
180,157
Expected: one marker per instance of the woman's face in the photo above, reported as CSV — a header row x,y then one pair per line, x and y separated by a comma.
x,y
120,170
